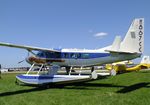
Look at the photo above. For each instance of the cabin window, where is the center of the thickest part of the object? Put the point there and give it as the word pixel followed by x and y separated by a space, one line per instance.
pixel 66 55
pixel 73 55
pixel 78 55
pixel 85 56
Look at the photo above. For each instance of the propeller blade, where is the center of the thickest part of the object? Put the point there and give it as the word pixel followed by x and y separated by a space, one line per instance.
pixel 21 61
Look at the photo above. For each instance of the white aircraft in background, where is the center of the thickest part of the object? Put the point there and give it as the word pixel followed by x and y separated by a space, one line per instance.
pixel 130 48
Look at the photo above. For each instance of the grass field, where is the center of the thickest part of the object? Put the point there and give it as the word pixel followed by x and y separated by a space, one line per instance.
pixel 126 89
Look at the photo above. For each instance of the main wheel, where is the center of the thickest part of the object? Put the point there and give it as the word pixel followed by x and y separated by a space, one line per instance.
pixel 113 72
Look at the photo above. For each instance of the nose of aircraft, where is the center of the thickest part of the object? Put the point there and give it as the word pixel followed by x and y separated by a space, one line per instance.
pixel 29 60
pixel 33 59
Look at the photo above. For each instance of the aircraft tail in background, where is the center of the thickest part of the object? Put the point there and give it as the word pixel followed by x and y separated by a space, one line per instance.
pixel 145 60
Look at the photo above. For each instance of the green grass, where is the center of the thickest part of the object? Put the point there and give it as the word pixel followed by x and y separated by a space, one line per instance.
pixel 126 89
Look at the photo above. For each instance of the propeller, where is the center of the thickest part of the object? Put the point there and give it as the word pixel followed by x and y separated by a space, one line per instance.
pixel 28 54
pixel 21 61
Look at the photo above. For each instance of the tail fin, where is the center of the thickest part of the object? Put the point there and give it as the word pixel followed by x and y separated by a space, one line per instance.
pixel 134 39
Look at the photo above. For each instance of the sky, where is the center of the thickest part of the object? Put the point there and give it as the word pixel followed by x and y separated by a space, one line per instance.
pixel 86 24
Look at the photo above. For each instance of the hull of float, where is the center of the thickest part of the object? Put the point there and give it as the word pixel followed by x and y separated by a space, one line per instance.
pixel 45 79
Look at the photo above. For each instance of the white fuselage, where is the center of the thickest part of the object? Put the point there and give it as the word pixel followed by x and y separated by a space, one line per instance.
pixel 94 57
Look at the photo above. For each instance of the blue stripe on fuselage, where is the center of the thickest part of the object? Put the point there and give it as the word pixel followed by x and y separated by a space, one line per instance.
pixel 36 77
pixel 72 55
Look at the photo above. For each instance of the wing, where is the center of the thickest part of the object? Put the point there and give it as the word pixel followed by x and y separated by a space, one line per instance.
pixel 27 47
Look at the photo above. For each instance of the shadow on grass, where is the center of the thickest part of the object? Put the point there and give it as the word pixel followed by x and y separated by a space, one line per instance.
pixel 134 87
pixel 96 85
pixel 79 86
pixel 76 86
pixel 20 91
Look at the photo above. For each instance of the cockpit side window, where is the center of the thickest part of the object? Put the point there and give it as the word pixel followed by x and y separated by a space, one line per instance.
pixel 53 55
pixel 57 55
pixel 41 54
pixel 49 54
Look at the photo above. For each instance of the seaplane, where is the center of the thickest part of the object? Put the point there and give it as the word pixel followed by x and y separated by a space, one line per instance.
pixel 131 47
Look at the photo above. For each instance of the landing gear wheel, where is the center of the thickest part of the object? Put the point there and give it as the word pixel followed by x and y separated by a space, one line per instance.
pixel 94 75
pixel 113 72
pixel 67 70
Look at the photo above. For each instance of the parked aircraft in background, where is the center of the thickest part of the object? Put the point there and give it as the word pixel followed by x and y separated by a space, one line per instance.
pixel 128 66
pixel 146 61
pixel 130 48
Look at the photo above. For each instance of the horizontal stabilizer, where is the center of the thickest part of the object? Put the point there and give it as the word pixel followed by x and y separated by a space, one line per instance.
pixel 116 44
pixel 121 52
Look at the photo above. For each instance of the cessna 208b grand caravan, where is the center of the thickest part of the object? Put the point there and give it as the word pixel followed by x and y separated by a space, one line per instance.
pixel 131 47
